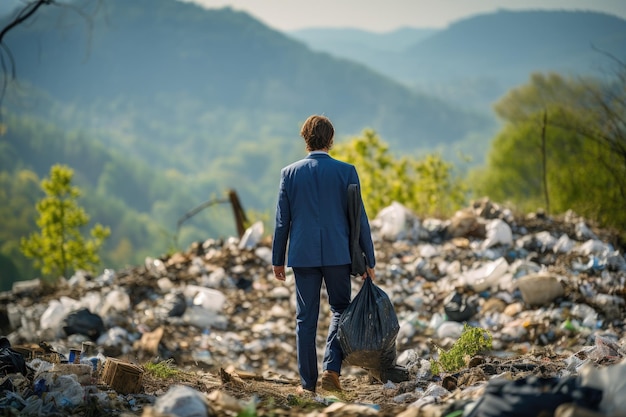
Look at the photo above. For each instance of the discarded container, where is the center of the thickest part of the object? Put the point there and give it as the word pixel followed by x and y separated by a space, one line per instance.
pixel 123 377
pixel 81 372
pixel 74 356
pixel 89 349
pixel 203 354
pixel 207 298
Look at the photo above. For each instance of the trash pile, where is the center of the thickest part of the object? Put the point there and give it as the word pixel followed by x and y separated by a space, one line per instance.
pixel 549 291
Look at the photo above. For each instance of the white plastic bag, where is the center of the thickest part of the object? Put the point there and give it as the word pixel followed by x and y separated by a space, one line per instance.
pixel 498 233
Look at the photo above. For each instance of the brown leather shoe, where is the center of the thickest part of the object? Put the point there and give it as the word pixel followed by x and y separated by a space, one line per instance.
pixel 330 381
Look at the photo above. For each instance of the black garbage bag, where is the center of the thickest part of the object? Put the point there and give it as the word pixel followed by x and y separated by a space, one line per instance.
pixel 396 374
pixel 177 305
pixel 368 329
pixel 84 322
pixel 459 307
pixel 533 396
pixel 11 361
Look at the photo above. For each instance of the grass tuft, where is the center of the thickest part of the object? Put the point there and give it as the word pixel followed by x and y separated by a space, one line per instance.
pixel 162 370
pixel 473 340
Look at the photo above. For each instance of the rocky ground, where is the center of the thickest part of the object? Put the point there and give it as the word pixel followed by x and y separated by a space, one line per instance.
pixel 550 291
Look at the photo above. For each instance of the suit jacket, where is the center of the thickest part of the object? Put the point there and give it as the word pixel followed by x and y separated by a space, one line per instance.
pixel 312 214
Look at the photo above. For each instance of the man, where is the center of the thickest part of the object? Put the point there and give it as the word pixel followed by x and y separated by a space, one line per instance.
pixel 312 216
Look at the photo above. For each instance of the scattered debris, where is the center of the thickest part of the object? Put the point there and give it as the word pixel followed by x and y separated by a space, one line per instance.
pixel 549 290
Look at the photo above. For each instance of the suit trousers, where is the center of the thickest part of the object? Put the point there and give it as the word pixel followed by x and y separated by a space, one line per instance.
pixel 308 288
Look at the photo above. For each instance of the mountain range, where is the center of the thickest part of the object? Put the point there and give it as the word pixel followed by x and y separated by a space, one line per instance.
pixel 477 59
pixel 219 72
pixel 155 67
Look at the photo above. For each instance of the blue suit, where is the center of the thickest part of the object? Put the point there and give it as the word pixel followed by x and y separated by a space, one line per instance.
pixel 312 220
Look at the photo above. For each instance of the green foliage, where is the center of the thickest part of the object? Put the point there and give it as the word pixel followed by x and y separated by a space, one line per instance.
pixel 427 186
pixel 162 370
pixel 472 341
pixel 18 193
pixel 585 149
pixel 304 402
pixel 249 410
pixel 141 206
pixel 60 247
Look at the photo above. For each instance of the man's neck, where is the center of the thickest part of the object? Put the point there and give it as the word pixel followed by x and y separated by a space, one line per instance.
pixel 325 150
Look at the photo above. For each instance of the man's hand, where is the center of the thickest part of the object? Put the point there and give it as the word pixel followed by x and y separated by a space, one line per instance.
pixel 279 272
pixel 371 273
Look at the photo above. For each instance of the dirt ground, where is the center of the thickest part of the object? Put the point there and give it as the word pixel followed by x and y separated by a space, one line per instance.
pixel 277 396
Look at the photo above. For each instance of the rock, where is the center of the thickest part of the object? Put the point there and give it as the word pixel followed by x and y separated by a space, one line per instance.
pixel 464 224
pixel 182 401
pixel 540 289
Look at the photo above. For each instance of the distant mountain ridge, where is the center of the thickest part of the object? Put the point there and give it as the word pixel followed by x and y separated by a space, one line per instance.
pixel 186 84
pixel 360 45
pixel 491 53
pixel 210 70
pixel 518 42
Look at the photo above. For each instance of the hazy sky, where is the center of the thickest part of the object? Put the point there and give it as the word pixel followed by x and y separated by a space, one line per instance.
pixel 385 15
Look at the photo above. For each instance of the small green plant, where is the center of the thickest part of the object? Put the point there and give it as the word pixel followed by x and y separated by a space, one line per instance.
pixel 162 370
pixel 249 410
pixel 60 247
pixel 473 340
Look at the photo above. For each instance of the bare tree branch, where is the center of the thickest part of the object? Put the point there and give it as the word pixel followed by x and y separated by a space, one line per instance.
pixel 22 16
pixel 8 68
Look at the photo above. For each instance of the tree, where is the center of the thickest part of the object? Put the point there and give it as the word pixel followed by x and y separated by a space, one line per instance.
pixel 583 124
pixel 371 156
pixel 427 186
pixel 60 247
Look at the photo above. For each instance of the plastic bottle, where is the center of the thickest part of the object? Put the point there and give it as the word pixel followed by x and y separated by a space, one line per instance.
pixel 202 354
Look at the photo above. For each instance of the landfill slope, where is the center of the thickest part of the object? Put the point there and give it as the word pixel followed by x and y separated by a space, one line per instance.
pixel 550 290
